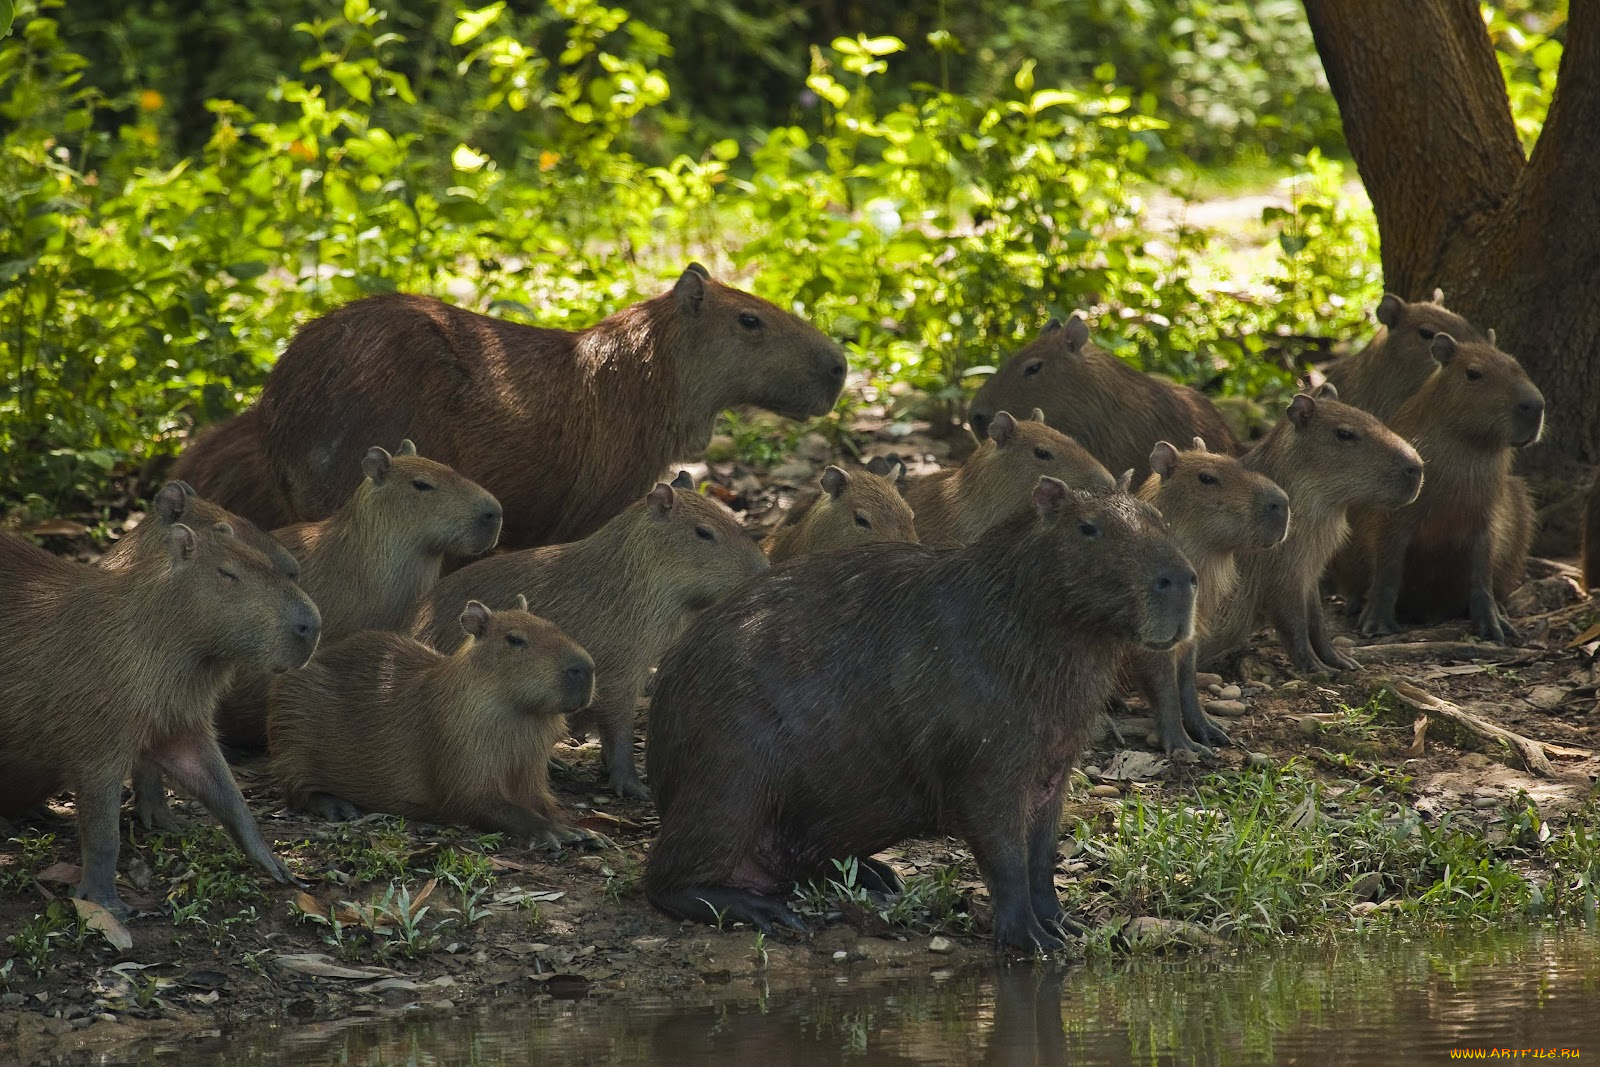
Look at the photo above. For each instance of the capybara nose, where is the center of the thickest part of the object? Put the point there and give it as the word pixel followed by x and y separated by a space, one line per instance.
pixel 1533 406
pixel 837 369
pixel 1175 579
pixel 305 624
pixel 489 516
pixel 980 423
pixel 578 681
pixel 1275 513
pixel 580 674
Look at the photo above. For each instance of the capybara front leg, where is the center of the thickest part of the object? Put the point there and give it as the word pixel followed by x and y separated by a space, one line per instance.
pixel 99 803
pixel 720 905
pixel 1200 726
pixel 1388 572
pixel 1002 855
pixel 150 798
pixel 196 764
pixel 616 750
pixel 1044 840
pixel 1321 643
pixel 1488 620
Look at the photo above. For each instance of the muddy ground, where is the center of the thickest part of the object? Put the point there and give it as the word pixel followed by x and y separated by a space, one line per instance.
pixel 215 948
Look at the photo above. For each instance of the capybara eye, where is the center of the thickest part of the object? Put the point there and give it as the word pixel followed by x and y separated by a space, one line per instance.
pixel 1088 529
pixel 232 577
pixel 1473 374
pixel 704 533
pixel 1033 368
pixel 516 641
pixel 1207 478
pixel 1425 333
pixel 749 321
pixel 1345 433
pixel 1044 453
pixel 420 485
pixel 863 522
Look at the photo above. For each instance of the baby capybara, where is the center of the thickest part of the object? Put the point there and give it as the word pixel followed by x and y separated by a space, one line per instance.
pixel 955 506
pixel 1328 457
pixel 1216 509
pixel 225 462
pixel 844 702
pixel 101 666
pixel 625 593
pixel 564 428
pixel 1462 548
pixel 860 508
pixel 381 722
pixel 1399 358
pixel 1099 401
pixel 176 502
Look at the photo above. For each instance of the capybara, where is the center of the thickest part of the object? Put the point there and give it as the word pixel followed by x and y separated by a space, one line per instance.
pixel 564 428
pixel 176 502
pixel 1462 548
pixel 100 666
pixel 381 722
pixel 1328 456
pixel 225 463
pixel 846 701
pixel 625 593
pixel 1099 401
pixel 1591 536
pixel 956 505
pixel 1399 358
pixel 862 508
pixel 1215 509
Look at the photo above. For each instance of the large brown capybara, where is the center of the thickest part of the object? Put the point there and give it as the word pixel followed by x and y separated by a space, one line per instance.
pixel 1216 510
pixel 860 508
pixel 381 722
pixel 625 593
pixel 1328 457
pixel 225 463
pixel 564 428
pixel 1099 401
pixel 844 702
pixel 1591 536
pixel 1462 548
pixel 101 666
pixel 1399 358
pixel 955 506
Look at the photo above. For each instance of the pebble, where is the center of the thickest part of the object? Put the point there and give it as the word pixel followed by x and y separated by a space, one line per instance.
pixel 1258 760
pixel 1104 791
pixel 1308 725
pixel 1473 761
pixel 840 956
pixel 1547 697
pixel 1484 803
pixel 1230 692
pixel 1228 709
pixel 1215 689
pixel 941 945
pixel 1205 679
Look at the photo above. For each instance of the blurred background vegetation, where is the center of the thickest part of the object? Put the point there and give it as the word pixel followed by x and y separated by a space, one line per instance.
pixel 188 180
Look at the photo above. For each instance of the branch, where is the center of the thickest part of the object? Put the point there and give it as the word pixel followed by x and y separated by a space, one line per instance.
pixel 1531 751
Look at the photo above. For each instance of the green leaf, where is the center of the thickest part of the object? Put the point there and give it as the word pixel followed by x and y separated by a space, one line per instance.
pixel 8 15
pixel 473 23
pixel 356 10
pixel 354 80
pixel 1024 76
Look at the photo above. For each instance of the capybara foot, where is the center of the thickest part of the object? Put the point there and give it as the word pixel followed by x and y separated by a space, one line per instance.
pixel 560 767
pixel 1207 732
pixel 1494 626
pixel 627 784
pixel 105 896
pixel 718 905
pixel 1375 622
pixel 558 837
pixel 1180 741
pixel 154 814
pixel 1059 922
pixel 876 876
pixel 332 808
pixel 1024 933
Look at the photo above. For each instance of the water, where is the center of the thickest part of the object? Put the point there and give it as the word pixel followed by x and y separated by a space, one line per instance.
pixel 1378 1000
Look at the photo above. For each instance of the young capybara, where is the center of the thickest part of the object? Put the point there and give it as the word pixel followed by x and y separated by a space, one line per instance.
pixel 854 509
pixel 225 462
pixel 101 666
pixel 564 428
pixel 1591 536
pixel 955 506
pixel 1399 358
pixel 1462 548
pixel 1216 510
pixel 1099 401
pixel 624 593
pixel 381 722
pixel 176 502
pixel 1328 457
pixel 844 702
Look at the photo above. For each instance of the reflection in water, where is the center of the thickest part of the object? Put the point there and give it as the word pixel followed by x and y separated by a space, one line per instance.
pixel 1381 1000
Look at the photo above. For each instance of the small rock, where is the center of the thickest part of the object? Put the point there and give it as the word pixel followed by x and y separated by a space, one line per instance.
pixel 1547 697
pixel 1230 692
pixel 1308 725
pixel 1258 760
pixel 1205 679
pixel 795 472
pixel 1344 641
pixel 1366 887
pixel 841 956
pixel 648 944
pixel 1484 803
pixel 1363 907
pixel 1105 791
pixel 1215 689
pixel 1228 709
pixel 1473 761
pixel 1293 686
pixel 941 945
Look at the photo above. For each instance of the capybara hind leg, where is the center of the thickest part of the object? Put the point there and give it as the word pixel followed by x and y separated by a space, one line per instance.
pixel 99 810
pixel 616 748
pixel 150 798
pixel 1002 855
pixel 196 764
pixel 719 905
pixel 876 876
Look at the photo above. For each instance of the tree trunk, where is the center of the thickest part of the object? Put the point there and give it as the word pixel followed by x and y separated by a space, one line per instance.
pixel 1514 243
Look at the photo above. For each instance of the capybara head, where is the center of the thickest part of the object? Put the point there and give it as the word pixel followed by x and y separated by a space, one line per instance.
pixel 1114 563
pixel 859 508
pixel 1346 455
pixel 783 363
pixel 239 607
pixel 1019 452
pixel 1043 374
pixel 1215 500
pixel 1411 327
pixel 1483 394
pixel 526 660
pixel 177 502
pixel 694 548
pixel 449 514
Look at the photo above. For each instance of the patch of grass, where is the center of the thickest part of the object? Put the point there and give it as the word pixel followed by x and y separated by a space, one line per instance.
pixel 210 883
pixel 33 851
pixel 35 940
pixel 369 852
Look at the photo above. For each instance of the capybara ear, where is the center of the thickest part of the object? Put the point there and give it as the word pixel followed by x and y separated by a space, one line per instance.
pixel 1301 409
pixel 1199 445
pixel 1001 429
pixel 170 502
pixel 691 288
pixel 1050 327
pixel 898 477
pixel 887 466
pixel 1438 295
pixel 660 500
pixel 1443 348
pixel 1389 309
pixel 1077 332
pixel 684 480
pixel 1037 416
pixel 375 464
pixel 188 490
pixel 834 480
pixel 407 448
pixel 1125 483
pixel 1049 497
pixel 222 529
pixel 1325 391
pixel 181 542
pixel 1163 457
pixel 475 618
pixel 1492 342
pixel 700 270
pixel 519 603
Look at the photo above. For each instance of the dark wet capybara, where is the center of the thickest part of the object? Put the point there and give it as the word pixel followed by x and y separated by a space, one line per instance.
pixel 844 702
pixel 1399 358
pixel 625 593
pixel 381 722
pixel 564 428
pixel 102 666
pixel 1462 548
pixel 1216 510
pixel 1098 400
pixel 1329 457
pixel 859 508
pixel 226 463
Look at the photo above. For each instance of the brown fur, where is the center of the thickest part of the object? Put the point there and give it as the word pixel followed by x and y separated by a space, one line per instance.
pixel 225 464
pixel 100 666
pixel 956 506
pixel 1102 403
pixel 1463 546
pixel 846 701
pixel 564 428
pixel 1398 359
pixel 1215 509
pixel 1591 536
pixel 860 508
pixel 1327 456
pixel 177 502
pixel 381 722
pixel 625 593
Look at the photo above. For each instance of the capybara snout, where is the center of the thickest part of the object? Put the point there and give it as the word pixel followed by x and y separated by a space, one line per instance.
pixel 1171 612
pixel 274 626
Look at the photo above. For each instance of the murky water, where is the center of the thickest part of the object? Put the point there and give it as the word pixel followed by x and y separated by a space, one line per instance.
pixel 1379 1000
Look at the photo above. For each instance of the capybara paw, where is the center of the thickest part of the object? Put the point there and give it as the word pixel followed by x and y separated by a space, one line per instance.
pixel 1341 661
pixel 766 914
pixel 1028 937
pixel 876 876
pixel 1211 734
pixel 590 839
pixel 560 767
pixel 106 898
pixel 629 787
pixel 1495 627
pixel 1375 623
pixel 1060 923
pixel 1182 742
pixel 332 808
pixel 280 872
pixel 158 817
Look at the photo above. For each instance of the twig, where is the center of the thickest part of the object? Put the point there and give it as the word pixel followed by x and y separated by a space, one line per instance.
pixel 1532 751
pixel 1407 651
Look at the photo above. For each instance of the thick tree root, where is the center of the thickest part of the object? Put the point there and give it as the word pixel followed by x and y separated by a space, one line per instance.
pixel 1411 651
pixel 1532 752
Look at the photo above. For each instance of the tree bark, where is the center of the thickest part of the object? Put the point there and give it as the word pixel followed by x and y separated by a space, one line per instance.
pixel 1513 242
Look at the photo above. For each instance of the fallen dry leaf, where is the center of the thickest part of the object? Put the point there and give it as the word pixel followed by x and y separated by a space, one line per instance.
pixel 1419 732
pixel 95 917
pixel 1584 638
pixel 60 872
pixel 56 528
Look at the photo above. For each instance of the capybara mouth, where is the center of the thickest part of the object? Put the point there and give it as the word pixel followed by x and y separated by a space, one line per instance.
pixel 1528 439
